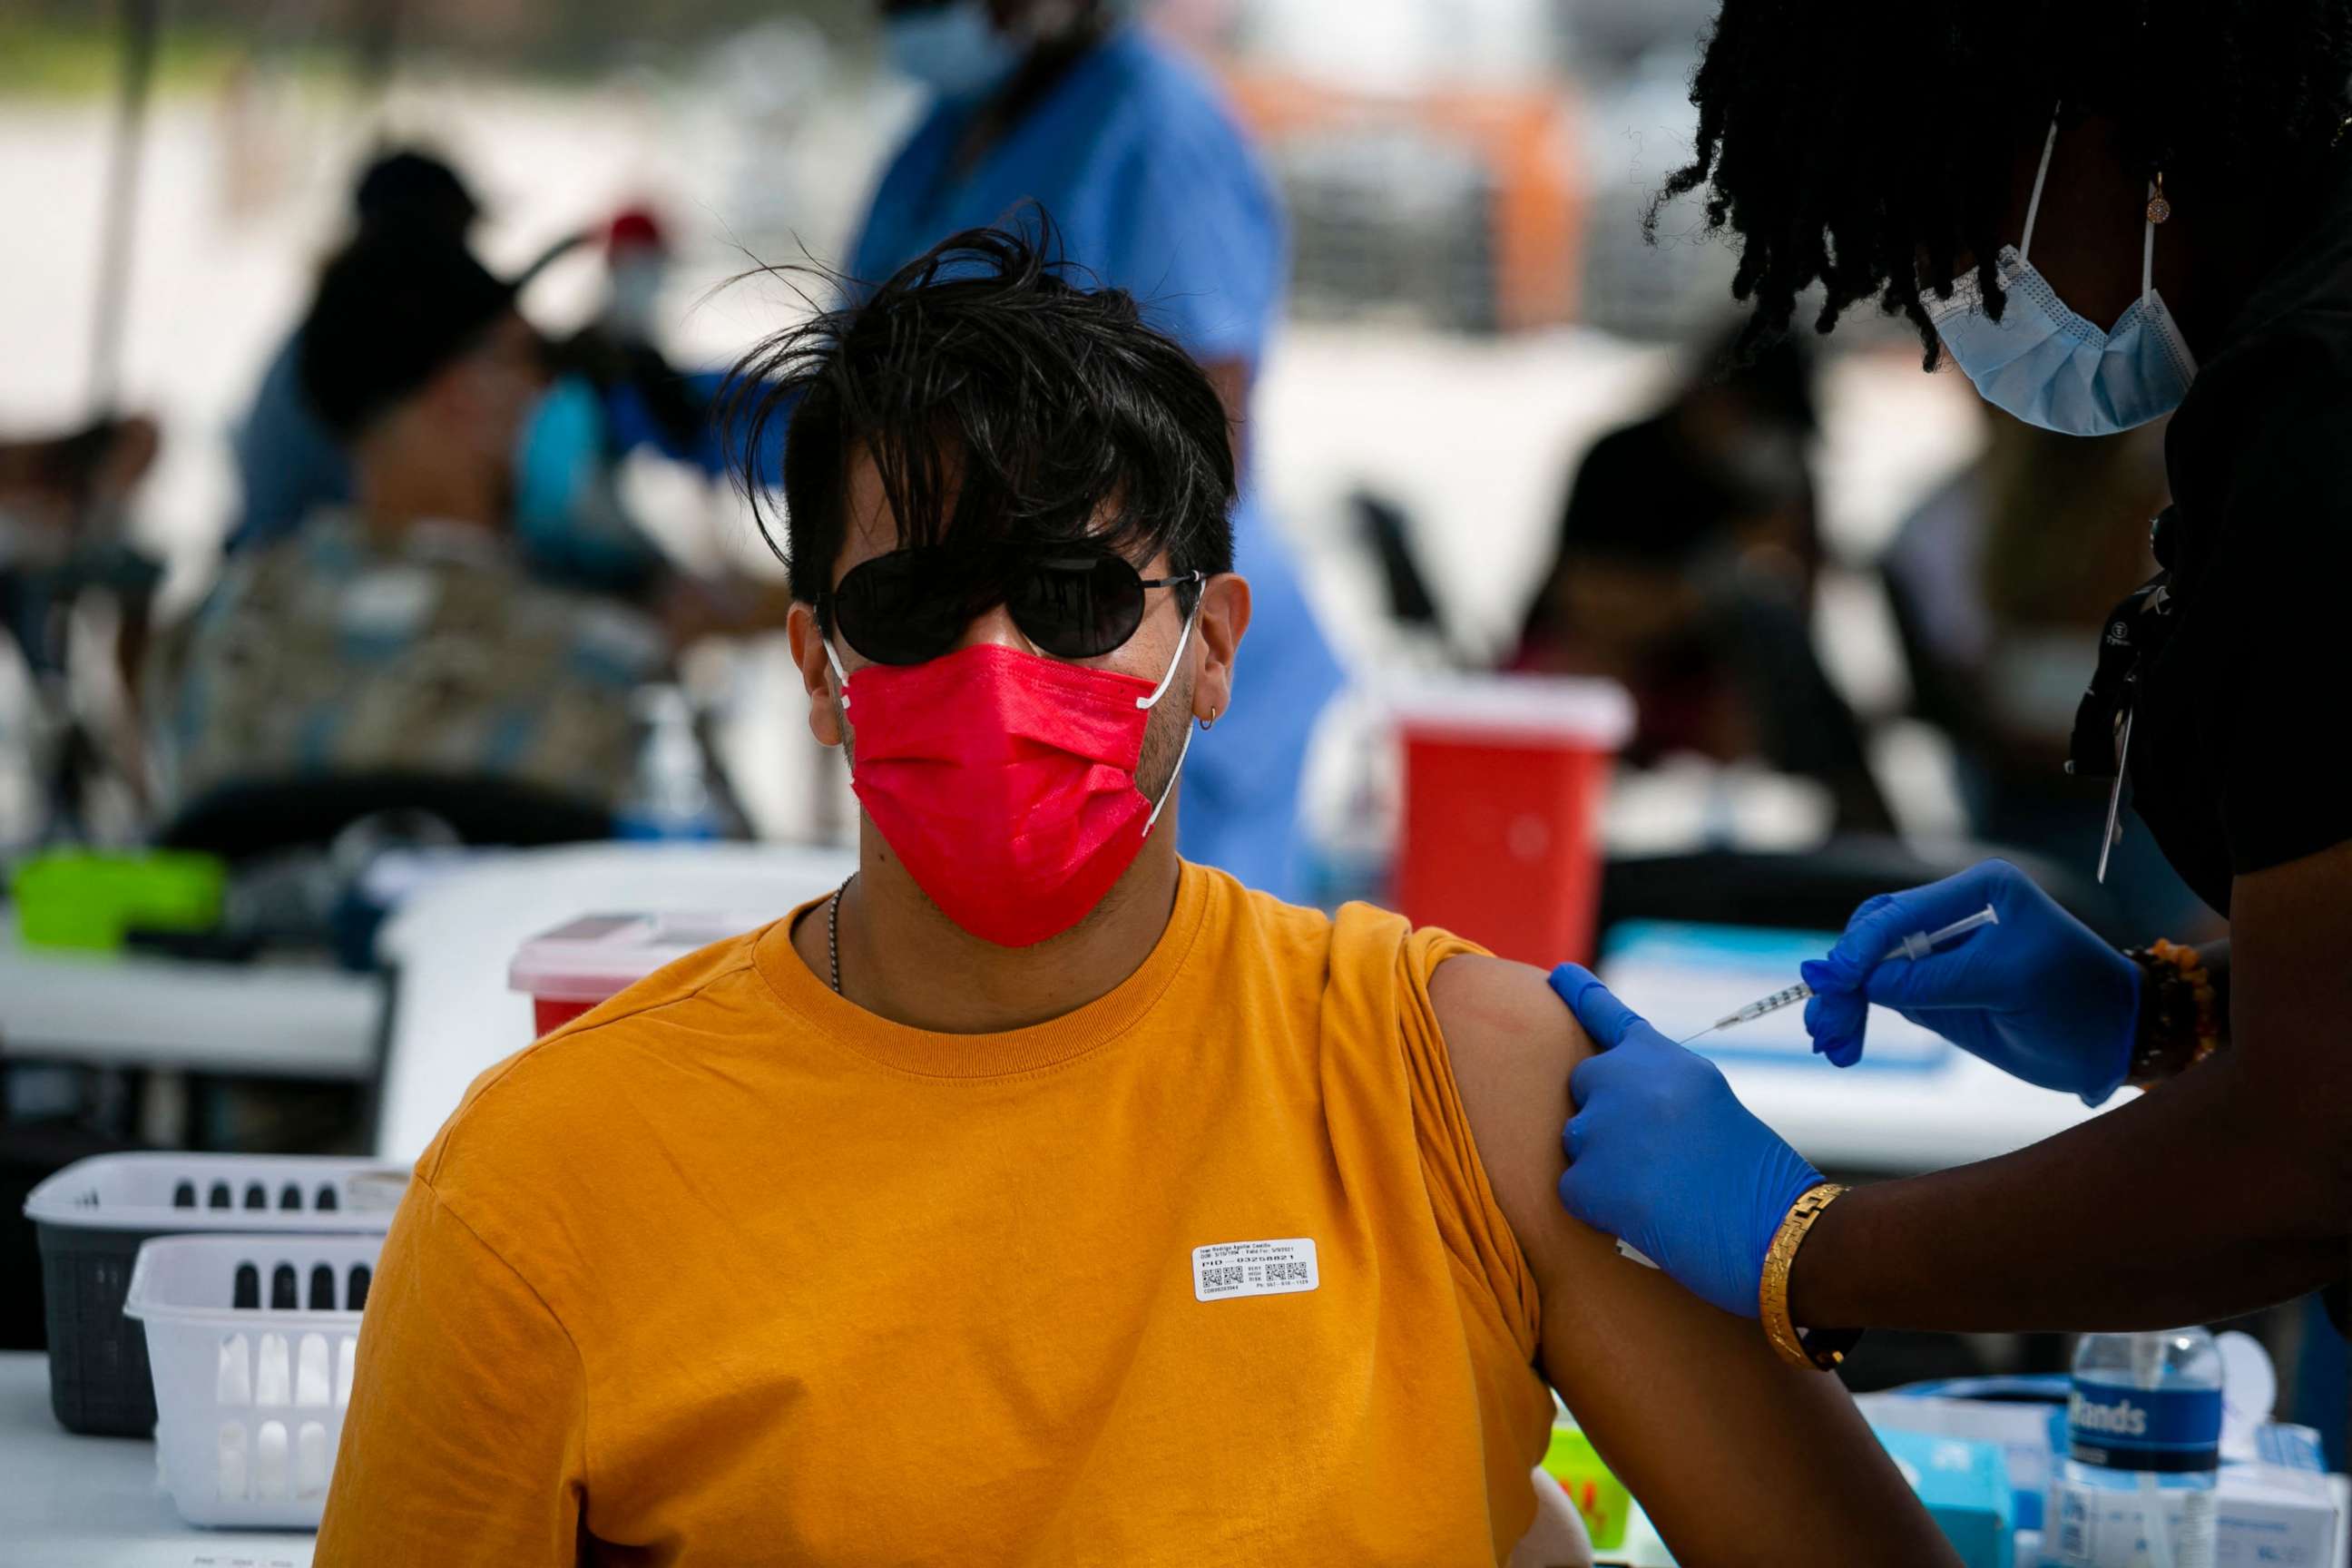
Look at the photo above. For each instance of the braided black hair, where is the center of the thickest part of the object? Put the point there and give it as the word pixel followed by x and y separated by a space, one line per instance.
pixel 1865 147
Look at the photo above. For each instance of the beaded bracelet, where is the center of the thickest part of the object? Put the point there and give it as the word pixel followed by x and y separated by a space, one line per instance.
pixel 2180 1014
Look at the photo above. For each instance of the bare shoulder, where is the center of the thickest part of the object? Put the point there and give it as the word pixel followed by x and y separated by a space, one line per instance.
pixel 1513 1045
pixel 1500 1015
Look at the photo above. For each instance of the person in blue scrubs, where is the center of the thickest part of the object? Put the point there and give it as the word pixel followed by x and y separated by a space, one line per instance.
pixel 1131 154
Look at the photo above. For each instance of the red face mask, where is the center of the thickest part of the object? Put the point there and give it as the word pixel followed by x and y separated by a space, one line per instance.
pixel 1006 781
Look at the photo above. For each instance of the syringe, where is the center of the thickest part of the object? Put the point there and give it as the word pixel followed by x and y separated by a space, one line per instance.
pixel 1917 945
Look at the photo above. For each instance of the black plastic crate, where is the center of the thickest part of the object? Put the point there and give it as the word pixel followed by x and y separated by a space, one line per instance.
pixel 98 1382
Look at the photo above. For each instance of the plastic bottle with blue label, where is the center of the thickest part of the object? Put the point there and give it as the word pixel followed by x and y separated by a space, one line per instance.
pixel 2144 1453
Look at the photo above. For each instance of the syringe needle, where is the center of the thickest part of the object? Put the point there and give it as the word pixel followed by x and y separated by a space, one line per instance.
pixel 1915 946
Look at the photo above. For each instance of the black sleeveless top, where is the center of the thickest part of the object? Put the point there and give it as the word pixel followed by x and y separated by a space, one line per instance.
pixel 2240 723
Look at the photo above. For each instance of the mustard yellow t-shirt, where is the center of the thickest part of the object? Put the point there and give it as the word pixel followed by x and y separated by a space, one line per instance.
pixel 731 1271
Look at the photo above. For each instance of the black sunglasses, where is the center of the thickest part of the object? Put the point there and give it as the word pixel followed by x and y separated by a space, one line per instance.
pixel 912 605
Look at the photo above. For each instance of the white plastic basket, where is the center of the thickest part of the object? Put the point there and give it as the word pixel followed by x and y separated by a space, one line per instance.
pixel 249 1400
pixel 188 1193
pixel 93 1215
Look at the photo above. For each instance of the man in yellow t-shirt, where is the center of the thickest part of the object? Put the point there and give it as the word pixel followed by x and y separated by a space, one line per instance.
pixel 1038 1198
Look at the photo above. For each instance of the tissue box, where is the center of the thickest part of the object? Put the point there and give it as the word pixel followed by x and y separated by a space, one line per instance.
pixel 2018 1427
pixel 2265 1516
pixel 2296 1447
pixel 2274 1516
pixel 1963 1485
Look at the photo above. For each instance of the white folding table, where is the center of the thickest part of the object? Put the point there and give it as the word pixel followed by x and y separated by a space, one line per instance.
pixel 264 1019
pixel 93 1502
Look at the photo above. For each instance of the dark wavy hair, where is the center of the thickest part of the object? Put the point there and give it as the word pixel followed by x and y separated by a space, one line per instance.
pixel 1866 146
pixel 986 375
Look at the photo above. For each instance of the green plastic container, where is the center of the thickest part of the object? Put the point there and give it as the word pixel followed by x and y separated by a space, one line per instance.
pixel 87 898
pixel 1599 1496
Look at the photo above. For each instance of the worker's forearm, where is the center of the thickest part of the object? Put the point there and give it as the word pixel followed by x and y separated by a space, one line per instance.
pixel 2195 1202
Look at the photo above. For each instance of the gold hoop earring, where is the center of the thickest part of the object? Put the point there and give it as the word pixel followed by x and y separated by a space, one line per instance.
pixel 1207 723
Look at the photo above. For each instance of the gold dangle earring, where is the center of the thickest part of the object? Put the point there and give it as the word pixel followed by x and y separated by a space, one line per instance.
pixel 2158 208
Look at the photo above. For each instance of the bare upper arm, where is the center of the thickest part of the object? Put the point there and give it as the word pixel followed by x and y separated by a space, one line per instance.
pixel 2290 993
pixel 1735 1456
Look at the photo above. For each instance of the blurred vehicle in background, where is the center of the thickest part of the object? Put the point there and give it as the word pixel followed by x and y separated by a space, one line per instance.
pixel 1648 275
pixel 1427 157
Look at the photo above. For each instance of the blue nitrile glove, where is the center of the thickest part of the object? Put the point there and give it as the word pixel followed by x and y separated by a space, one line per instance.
pixel 1662 1154
pixel 2037 996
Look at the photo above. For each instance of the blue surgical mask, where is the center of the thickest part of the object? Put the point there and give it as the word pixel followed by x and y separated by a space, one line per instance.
pixel 954 49
pixel 2050 367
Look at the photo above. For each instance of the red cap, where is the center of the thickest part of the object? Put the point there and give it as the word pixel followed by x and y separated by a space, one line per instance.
pixel 635 226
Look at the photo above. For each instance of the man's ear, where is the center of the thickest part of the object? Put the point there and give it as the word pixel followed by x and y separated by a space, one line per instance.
pixel 816 672
pixel 1224 616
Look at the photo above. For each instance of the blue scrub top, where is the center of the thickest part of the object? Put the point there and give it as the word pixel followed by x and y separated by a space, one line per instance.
pixel 1152 188
pixel 289 463
pixel 1146 176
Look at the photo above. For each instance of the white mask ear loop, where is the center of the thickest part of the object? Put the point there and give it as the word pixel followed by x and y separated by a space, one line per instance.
pixel 838 673
pixel 1162 804
pixel 2033 202
pixel 2148 249
pixel 1160 690
pixel 1178 662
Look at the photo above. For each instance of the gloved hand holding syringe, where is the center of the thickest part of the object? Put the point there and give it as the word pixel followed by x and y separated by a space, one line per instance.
pixel 1915 946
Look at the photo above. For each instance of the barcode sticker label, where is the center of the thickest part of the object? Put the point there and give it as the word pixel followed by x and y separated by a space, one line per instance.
pixel 1233 1269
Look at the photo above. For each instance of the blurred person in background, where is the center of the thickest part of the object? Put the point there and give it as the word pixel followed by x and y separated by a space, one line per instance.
pixel 64 502
pixel 1154 189
pixel 2104 213
pixel 288 461
pixel 403 634
pixel 610 390
pixel 613 394
pixel 1998 581
pixel 613 391
pixel 637 255
pixel 65 538
pixel 701 1276
pixel 1686 565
